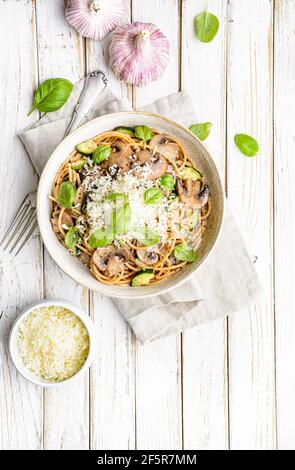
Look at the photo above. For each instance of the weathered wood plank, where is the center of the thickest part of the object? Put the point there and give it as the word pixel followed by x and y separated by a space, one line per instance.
pixel 158 365
pixel 21 402
pixel 251 333
pixel 284 174
pixel 66 410
pixel 112 377
pixel 205 348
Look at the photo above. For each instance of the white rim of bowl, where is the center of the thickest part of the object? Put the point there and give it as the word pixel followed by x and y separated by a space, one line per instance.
pixel 141 295
pixel 76 310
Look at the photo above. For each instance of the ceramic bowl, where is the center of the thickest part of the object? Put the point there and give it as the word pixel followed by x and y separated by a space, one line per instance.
pixel 72 265
pixel 13 349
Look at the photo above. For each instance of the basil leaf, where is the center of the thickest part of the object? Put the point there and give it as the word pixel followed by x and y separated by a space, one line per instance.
pixel 118 197
pixel 121 219
pixel 184 253
pixel 153 196
pixel 66 195
pixel 145 236
pixel 72 237
pixel 101 153
pixel 100 238
pixel 206 26
pixel 144 133
pixel 125 130
pixel 52 95
pixel 201 130
pixel 167 182
pixel 246 144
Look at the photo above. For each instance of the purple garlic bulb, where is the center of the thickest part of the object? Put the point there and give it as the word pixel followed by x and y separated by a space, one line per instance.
pixel 139 53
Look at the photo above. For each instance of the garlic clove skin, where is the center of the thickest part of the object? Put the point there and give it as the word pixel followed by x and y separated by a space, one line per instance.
pixel 95 18
pixel 139 53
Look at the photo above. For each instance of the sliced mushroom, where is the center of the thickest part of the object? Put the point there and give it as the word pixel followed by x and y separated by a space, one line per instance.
pixel 204 196
pixel 150 256
pixel 115 265
pixel 79 196
pixel 143 156
pixel 191 194
pixel 158 165
pixel 110 259
pixel 65 220
pixel 119 157
pixel 164 146
pixel 147 257
pixel 85 258
pixel 54 223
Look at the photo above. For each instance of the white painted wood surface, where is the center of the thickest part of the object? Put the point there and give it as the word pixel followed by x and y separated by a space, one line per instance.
pixel 250 192
pixel 284 229
pixel 226 384
pixel 205 406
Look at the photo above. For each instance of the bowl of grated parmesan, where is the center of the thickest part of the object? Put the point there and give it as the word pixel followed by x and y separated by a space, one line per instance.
pixel 52 342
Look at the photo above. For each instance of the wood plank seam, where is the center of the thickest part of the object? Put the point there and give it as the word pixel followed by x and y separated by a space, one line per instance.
pixel 274 220
pixel 42 248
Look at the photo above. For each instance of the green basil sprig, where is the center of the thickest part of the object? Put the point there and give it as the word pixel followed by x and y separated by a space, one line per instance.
pixel 153 196
pixel 145 236
pixel 72 237
pixel 66 195
pixel 246 144
pixel 117 197
pixel 201 130
pixel 144 133
pixel 206 26
pixel 121 218
pixel 51 95
pixel 101 153
pixel 100 238
pixel 184 252
pixel 167 182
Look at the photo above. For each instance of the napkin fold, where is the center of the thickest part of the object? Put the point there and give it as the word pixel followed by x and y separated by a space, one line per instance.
pixel 226 282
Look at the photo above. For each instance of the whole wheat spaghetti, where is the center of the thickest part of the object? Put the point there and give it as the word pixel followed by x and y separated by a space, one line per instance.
pixel 131 204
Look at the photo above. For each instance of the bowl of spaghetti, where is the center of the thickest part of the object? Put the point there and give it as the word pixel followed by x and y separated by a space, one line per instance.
pixel 130 204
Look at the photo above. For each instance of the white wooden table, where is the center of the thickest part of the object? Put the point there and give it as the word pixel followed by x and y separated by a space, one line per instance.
pixel 226 384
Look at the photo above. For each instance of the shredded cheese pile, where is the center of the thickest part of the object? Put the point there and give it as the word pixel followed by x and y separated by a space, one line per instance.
pixel 99 211
pixel 53 343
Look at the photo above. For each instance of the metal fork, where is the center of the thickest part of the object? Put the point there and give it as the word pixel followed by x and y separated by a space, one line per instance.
pixel 25 221
pixel 21 227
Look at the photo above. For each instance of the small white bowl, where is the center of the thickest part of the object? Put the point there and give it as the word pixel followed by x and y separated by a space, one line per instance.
pixel 13 348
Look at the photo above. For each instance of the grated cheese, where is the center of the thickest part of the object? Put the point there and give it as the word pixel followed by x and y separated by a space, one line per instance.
pixel 99 211
pixel 53 343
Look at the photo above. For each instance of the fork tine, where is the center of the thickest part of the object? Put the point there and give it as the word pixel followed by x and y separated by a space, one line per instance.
pixel 18 227
pixel 29 233
pixel 23 229
pixel 21 213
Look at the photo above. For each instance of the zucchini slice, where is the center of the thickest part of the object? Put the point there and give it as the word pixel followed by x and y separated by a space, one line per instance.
pixel 190 173
pixel 143 278
pixel 78 165
pixel 86 147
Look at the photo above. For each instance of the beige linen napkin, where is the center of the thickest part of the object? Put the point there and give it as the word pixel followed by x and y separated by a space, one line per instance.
pixel 224 284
